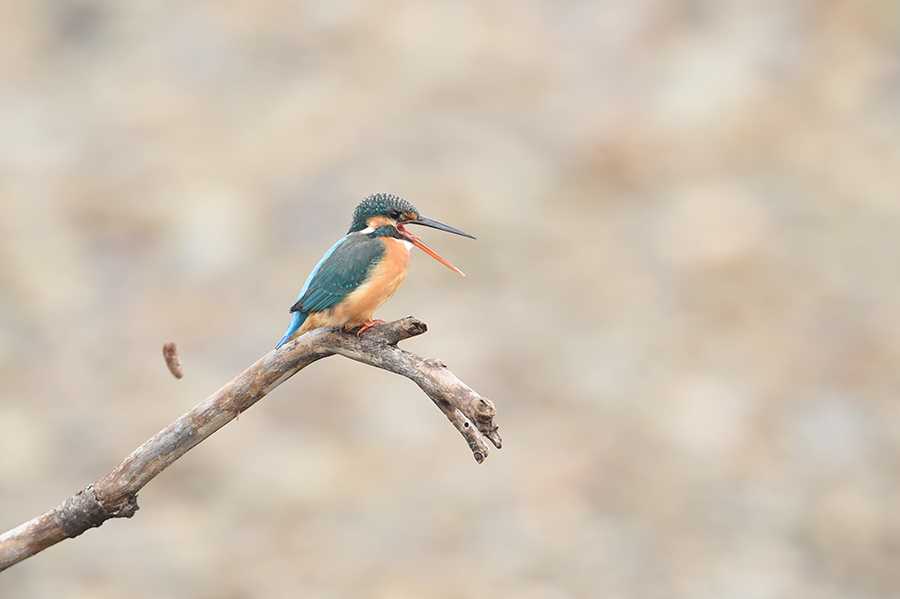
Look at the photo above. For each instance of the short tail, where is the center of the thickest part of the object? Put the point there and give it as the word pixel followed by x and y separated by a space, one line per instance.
pixel 296 322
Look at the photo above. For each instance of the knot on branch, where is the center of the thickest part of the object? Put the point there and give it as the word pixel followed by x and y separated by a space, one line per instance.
pixel 80 512
pixel 125 508
pixel 484 409
pixel 414 326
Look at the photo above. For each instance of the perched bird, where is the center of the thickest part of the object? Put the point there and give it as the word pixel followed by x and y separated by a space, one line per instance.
pixel 364 269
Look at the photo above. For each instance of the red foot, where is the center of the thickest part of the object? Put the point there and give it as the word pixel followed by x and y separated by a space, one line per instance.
pixel 367 325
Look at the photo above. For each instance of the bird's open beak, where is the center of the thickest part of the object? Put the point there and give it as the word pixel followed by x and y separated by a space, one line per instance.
pixel 421 244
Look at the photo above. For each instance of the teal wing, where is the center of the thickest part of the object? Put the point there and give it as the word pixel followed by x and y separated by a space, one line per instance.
pixel 344 268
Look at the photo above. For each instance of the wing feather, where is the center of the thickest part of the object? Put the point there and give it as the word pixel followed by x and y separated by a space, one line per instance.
pixel 344 268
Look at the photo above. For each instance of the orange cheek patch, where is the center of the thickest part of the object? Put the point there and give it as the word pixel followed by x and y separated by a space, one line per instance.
pixel 379 220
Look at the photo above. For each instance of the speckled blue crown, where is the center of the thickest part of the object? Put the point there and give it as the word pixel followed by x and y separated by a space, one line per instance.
pixel 378 203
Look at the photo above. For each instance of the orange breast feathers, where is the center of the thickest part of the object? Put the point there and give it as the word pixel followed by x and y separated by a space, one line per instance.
pixel 359 306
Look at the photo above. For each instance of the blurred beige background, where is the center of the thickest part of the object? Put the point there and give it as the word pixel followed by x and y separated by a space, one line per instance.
pixel 684 298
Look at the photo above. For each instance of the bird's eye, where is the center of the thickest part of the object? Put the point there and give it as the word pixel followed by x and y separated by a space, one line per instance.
pixel 394 214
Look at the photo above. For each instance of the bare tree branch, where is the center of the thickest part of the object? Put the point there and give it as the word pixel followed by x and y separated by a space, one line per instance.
pixel 115 495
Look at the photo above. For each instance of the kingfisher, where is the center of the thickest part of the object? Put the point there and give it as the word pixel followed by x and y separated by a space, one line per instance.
pixel 364 268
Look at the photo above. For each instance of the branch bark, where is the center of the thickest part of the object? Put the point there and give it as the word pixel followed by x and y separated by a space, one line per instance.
pixel 115 495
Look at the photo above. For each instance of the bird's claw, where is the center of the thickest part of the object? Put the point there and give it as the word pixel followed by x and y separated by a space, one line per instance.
pixel 367 325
